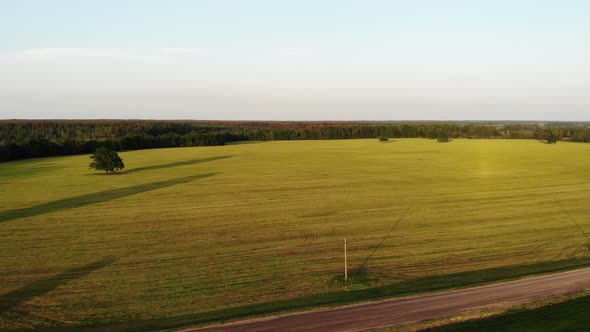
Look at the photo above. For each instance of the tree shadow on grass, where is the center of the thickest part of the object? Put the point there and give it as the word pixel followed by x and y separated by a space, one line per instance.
pixel 176 164
pixel 245 142
pixel 403 288
pixel 41 287
pixel 570 315
pixel 14 173
pixel 93 198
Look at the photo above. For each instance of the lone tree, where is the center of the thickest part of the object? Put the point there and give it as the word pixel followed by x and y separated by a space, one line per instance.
pixel 107 160
pixel 552 138
pixel 383 138
pixel 442 137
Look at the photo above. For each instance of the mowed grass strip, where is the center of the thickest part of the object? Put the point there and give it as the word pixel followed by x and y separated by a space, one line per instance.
pixel 200 234
pixel 569 315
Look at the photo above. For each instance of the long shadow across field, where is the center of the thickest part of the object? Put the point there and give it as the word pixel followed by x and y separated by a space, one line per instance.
pixel 25 172
pixel 44 286
pixel 93 198
pixel 176 164
pixel 407 287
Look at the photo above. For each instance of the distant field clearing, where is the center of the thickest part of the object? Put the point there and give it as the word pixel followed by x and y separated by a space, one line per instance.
pixel 187 232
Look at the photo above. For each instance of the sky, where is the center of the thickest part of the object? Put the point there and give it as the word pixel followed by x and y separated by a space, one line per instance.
pixel 295 60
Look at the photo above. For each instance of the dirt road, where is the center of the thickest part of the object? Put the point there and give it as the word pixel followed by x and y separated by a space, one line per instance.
pixel 406 310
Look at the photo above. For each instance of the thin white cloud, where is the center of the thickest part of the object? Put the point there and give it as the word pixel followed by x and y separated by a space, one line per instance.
pixel 50 54
pixel 136 55
pixel 291 52
pixel 183 51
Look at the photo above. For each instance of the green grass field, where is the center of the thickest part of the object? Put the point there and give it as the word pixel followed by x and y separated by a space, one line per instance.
pixel 566 316
pixel 198 235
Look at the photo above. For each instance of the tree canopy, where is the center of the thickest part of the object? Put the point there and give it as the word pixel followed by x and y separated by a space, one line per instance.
pixel 442 137
pixel 107 160
pixel 552 138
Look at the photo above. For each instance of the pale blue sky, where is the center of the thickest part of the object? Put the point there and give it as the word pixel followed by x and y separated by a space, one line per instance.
pixel 295 60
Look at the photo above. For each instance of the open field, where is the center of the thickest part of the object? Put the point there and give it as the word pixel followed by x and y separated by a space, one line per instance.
pixel 194 235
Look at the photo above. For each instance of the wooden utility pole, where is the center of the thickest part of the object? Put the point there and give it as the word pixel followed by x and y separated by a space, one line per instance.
pixel 345 263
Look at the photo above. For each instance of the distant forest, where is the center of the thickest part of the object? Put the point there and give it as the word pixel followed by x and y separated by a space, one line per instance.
pixel 21 139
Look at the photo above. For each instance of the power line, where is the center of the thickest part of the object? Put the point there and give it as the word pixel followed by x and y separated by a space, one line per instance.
pixel 574 221
pixel 387 236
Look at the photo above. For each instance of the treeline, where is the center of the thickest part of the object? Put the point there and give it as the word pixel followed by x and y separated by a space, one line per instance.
pixel 35 147
pixel 30 139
